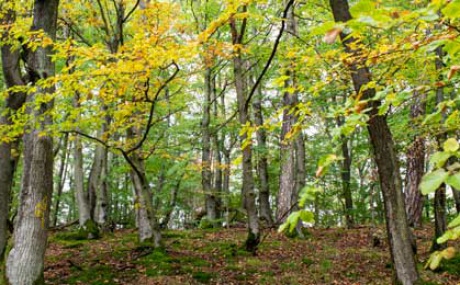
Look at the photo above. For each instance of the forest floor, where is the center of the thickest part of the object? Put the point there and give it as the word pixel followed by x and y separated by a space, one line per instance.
pixel 326 256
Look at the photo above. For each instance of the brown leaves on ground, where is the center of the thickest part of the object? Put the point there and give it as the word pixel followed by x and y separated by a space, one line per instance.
pixel 327 256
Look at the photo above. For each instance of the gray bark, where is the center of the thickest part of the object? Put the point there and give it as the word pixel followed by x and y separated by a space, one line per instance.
pixel 62 175
pixel 292 149
pixel 206 171
pixel 26 259
pixel 265 211
pixel 84 209
pixel 146 219
pixel 398 231
pixel 247 191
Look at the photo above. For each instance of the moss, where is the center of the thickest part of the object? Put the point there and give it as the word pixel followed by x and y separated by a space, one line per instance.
pixel 451 266
pixel 90 230
pixel 203 277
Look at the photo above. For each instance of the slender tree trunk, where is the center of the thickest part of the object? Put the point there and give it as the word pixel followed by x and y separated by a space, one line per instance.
pixel 386 159
pixel 248 193
pixel 81 196
pixel 415 167
pixel 62 175
pixel 265 211
pixel 206 171
pixel 97 185
pixel 345 174
pixel 439 206
pixel 25 261
pixel 292 148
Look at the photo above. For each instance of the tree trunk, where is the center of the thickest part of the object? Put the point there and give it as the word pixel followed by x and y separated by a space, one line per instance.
pixel 146 219
pixel 25 261
pixel 12 76
pixel 385 156
pixel 415 168
pixel 62 175
pixel 287 162
pixel 345 173
pixel 265 211
pixel 440 219
pixel 206 160
pixel 14 101
pixel 247 191
pixel 292 148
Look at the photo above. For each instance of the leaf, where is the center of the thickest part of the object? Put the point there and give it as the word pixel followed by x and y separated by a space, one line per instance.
pixel 307 216
pixel 435 260
pixel 450 145
pixel 448 253
pixel 452 71
pixel 332 35
pixel 438 159
pixel 455 222
pixel 431 181
pixel 454 181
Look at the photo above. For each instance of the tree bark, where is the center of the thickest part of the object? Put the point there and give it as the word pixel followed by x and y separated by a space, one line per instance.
pixel 26 259
pixel 62 176
pixel 385 156
pixel 206 159
pixel 440 218
pixel 265 211
pixel 415 167
pixel 15 100
pixel 247 191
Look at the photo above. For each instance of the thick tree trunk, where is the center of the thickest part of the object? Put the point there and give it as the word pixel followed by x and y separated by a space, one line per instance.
pixel 8 162
pixel 415 167
pixel 26 259
pixel 287 163
pixel 398 231
pixel 146 218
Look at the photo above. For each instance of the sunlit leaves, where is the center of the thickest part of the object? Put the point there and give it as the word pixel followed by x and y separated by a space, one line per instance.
pixel 432 181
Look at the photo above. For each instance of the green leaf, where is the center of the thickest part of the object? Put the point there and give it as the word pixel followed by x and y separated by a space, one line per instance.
pixel 455 222
pixel 452 10
pixel 450 145
pixel 435 260
pixel 454 181
pixel 431 181
pixel 438 159
pixel 307 216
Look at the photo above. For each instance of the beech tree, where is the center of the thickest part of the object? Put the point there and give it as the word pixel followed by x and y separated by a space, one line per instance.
pixel 26 259
pixel 385 156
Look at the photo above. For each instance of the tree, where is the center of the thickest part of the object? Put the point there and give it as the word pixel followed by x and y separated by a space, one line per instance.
pixel 25 260
pixel 384 155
